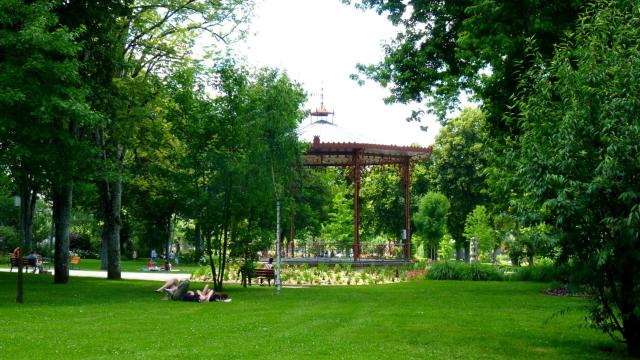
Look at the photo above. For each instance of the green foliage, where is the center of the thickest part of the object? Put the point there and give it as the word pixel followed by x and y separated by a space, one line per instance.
pixel 339 228
pixel 382 204
pixel 10 238
pixel 543 273
pixel 577 158
pixel 456 270
pixel 477 226
pixel 431 221
pixel 446 248
pixel 444 48
pixel 458 165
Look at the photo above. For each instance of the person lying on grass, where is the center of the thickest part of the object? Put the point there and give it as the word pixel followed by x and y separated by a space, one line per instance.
pixel 179 290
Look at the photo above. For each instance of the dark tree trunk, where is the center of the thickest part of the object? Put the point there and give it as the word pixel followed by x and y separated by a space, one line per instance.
pixel 628 305
pixel 530 254
pixel 111 193
pixel 104 256
pixel 459 251
pixel 62 201
pixel 27 210
pixel 170 228
pixel 198 231
pixel 632 334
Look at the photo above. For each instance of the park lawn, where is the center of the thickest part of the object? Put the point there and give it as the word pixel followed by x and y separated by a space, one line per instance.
pixel 96 318
pixel 132 266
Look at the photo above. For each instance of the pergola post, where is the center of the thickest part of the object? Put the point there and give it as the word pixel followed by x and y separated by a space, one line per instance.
pixel 356 205
pixel 406 179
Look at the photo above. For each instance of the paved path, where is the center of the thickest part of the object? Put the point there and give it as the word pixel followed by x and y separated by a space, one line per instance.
pixel 151 275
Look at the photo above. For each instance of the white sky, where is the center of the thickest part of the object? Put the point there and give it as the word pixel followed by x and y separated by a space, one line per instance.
pixel 318 43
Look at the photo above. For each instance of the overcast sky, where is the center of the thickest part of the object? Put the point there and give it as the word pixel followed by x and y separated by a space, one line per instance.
pixel 318 43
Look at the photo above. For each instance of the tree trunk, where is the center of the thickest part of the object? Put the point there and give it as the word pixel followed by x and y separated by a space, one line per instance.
pixel 104 256
pixel 62 201
pixel 111 193
pixel 459 251
pixel 27 210
pixel 198 234
pixel 530 255
pixel 170 228
pixel 628 308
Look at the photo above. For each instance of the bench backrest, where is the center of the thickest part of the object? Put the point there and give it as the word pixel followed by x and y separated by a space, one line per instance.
pixel 25 262
pixel 75 260
pixel 265 273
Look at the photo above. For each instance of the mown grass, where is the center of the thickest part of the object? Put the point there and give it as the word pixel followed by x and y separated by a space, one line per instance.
pixel 95 318
pixel 133 265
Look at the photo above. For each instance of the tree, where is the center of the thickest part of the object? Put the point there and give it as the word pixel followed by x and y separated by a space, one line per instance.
pixel 339 227
pixel 125 43
pixel 382 210
pixel 233 145
pixel 43 107
pixel 448 47
pixel 431 221
pixel 578 158
pixel 477 227
pixel 458 170
pixel 312 198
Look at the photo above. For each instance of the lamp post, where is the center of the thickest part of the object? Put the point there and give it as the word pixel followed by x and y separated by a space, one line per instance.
pixel 20 289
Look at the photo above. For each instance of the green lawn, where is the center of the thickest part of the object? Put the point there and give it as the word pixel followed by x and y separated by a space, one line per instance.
pixel 133 266
pixel 94 318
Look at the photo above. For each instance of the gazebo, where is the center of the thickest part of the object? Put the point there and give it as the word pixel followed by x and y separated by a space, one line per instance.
pixel 357 155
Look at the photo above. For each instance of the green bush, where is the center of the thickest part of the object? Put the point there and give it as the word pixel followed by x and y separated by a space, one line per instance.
pixel 9 238
pixel 541 273
pixel 453 270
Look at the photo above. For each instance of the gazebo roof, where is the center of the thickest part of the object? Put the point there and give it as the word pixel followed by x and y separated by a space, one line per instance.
pixel 342 154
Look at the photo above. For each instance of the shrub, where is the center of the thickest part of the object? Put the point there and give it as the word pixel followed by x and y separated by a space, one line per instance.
pixel 451 270
pixel 542 273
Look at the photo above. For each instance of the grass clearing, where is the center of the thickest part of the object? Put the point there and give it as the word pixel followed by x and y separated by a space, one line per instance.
pixel 139 265
pixel 95 318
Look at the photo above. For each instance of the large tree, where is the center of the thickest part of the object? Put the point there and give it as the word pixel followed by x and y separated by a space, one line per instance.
pixel 447 47
pixel 240 149
pixel 42 109
pixel 458 166
pixel 578 158
pixel 125 43
pixel 383 203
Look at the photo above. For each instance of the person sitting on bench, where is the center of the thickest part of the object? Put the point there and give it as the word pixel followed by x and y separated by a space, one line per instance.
pixel 37 260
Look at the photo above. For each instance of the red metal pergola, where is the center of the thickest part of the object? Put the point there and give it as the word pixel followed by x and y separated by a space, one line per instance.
pixel 357 155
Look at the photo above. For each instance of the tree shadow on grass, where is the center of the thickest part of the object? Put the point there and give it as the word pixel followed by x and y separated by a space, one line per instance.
pixel 39 290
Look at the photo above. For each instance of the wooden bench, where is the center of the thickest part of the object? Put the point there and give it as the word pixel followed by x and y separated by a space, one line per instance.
pixel 75 260
pixel 262 274
pixel 25 262
pixel 265 274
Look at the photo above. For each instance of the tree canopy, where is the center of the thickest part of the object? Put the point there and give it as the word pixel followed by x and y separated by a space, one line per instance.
pixel 445 48
pixel 578 157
